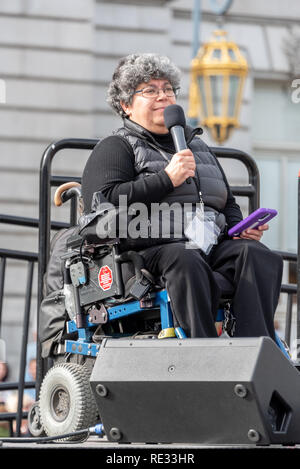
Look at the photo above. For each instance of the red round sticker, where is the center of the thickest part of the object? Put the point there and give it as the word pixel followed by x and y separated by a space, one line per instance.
pixel 105 278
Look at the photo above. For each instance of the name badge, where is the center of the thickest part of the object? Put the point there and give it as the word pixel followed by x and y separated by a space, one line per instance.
pixel 201 230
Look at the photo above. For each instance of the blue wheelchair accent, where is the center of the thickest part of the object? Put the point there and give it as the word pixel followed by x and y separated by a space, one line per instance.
pixel 281 346
pixel 180 334
pixel 82 348
pixel 83 345
pixel 82 280
pixel 98 429
pixel 220 315
pixel 160 300
pixel 165 309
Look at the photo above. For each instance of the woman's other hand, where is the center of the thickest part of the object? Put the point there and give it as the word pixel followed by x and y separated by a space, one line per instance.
pixel 253 234
pixel 181 166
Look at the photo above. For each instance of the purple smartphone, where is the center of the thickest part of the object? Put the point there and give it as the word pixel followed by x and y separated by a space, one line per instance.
pixel 253 221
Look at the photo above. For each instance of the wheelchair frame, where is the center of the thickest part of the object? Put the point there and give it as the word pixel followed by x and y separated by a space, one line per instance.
pixel 159 300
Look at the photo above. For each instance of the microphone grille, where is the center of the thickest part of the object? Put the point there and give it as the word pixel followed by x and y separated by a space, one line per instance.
pixel 174 115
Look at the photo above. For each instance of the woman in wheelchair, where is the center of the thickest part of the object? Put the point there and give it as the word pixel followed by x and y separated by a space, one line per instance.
pixel 138 163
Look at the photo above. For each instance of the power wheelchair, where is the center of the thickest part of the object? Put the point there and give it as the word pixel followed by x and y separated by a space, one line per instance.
pixel 103 291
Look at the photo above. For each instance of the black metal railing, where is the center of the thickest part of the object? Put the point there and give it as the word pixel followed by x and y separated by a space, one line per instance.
pixel 47 180
pixel 251 191
pixel 19 414
pixel 291 289
pixel 30 259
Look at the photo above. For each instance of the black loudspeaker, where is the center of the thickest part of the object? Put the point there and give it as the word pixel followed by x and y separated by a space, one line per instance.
pixel 206 391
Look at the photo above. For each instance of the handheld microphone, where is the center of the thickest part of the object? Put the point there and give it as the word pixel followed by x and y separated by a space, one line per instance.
pixel 175 123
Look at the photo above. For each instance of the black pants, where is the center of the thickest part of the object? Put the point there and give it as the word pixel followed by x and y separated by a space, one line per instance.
pixel 253 269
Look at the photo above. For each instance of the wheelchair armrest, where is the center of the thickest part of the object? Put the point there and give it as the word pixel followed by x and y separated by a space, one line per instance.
pixel 143 279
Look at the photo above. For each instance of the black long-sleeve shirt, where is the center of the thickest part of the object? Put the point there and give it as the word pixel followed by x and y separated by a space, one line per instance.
pixel 110 169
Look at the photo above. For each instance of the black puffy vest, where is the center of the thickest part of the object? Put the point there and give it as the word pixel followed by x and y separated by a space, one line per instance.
pixel 151 158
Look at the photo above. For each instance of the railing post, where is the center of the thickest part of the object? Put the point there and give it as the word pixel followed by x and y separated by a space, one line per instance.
pixel 253 190
pixel 44 226
pixel 2 278
pixel 298 276
pixel 288 319
pixel 24 346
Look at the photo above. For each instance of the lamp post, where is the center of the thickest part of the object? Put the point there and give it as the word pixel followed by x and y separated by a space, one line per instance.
pixel 219 7
pixel 218 72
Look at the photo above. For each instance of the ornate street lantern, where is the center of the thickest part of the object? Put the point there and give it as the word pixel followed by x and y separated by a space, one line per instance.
pixel 218 74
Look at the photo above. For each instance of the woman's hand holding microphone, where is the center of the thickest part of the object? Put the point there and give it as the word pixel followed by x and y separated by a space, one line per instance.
pixel 181 167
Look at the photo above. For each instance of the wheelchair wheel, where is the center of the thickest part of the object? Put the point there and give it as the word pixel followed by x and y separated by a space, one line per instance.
pixel 34 421
pixel 66 401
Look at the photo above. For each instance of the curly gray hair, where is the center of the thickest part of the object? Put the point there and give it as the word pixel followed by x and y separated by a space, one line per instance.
pixel 135 69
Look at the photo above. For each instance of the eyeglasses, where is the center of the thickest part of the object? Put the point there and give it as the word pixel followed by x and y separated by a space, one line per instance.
pixel 153 92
